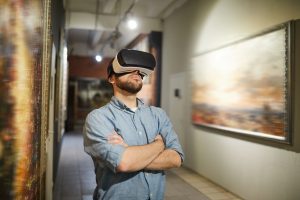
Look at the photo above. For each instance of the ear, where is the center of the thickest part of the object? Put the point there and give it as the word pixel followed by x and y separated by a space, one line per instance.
pixel 111 79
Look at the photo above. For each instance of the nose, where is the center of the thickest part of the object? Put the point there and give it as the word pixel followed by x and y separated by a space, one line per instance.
pixel 137 72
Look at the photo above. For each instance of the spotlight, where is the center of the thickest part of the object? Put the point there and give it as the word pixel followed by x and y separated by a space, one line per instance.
pixel 98 58
pixel 132 24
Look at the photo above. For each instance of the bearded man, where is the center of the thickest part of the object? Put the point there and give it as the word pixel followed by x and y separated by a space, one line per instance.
pixel 131 144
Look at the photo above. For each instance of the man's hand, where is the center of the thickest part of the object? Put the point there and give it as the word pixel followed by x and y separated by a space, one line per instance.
pixel 115 138
pixel 159 139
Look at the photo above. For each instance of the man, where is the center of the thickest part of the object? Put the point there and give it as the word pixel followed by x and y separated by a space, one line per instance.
pixel 130 143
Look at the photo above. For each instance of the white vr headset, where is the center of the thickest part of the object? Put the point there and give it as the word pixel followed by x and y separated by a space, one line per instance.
pixel 128 60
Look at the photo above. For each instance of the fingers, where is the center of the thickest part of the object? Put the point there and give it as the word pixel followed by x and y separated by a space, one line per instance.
pixel 158 137
pixel 114 138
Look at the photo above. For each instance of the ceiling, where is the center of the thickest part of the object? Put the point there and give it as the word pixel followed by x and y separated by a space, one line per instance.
pixel 99 26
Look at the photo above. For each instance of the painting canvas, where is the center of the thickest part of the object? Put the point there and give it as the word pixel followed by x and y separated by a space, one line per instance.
pixel 91 94
pixel 21 49
pixel 244 87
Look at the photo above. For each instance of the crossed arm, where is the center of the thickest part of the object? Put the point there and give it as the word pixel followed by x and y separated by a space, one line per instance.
pixel 151 156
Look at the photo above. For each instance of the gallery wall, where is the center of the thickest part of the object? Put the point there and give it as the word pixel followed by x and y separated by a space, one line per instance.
pixel 252 168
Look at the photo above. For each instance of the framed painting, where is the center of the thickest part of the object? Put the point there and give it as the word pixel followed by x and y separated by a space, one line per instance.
pixel 245 87
pixel 24 39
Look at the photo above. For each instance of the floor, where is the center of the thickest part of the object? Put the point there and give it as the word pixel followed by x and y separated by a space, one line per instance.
pixel 75 178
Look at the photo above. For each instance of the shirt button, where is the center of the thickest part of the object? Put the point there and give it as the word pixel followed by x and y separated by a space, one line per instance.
pixel 140 133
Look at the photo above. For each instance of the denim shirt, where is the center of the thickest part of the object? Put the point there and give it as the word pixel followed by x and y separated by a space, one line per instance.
pixel 136 128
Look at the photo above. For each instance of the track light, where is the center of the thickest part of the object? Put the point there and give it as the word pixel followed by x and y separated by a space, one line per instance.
pixel 132 23
pixel 98 58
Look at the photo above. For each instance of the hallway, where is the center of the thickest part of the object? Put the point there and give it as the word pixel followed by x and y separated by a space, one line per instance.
pixel 75 177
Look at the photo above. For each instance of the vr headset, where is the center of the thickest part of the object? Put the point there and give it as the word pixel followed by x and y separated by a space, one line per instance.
pixel 128 60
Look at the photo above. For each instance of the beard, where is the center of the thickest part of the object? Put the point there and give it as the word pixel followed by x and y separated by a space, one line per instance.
pixel 129 86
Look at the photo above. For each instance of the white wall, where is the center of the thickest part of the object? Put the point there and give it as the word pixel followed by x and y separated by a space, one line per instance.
pixel 250 168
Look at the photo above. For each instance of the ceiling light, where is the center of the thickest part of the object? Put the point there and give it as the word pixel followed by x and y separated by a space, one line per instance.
pixel 132 24
pixel 98 58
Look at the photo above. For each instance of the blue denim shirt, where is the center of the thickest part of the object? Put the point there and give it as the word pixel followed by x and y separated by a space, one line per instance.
pixel 136 128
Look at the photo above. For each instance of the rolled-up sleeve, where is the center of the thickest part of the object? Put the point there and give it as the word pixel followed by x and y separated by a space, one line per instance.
pixel 96 130
pixel 168 133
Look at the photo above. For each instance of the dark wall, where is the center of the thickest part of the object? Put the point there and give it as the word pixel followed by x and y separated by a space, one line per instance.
pixel 58 21
pixel 87 67
pixel 155 45
pixel 57 24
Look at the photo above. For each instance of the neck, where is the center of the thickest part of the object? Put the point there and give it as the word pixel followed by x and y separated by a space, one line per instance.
pixel 127 98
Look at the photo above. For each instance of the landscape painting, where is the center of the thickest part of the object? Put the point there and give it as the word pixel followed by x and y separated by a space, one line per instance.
pixel 243 87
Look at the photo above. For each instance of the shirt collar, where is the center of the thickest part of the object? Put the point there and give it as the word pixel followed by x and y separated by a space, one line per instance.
pixel 119 104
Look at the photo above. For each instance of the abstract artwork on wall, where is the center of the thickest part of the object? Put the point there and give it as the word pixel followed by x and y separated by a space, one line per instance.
pixel 21 76
pixel 244 87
